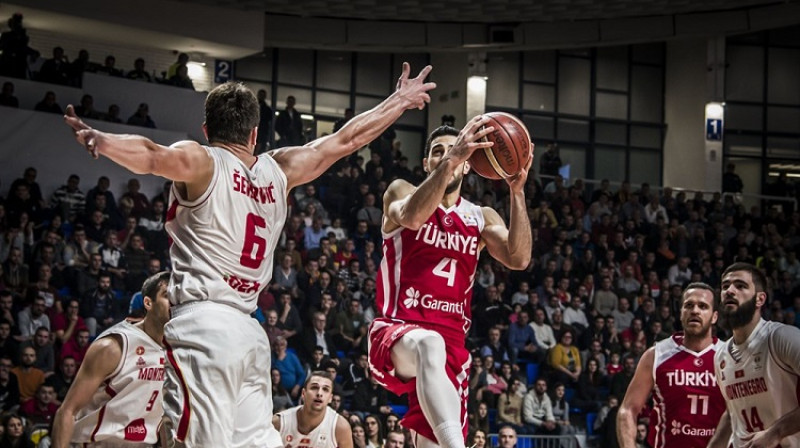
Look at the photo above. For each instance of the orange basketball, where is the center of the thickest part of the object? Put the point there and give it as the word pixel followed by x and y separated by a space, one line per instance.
pixel 511 150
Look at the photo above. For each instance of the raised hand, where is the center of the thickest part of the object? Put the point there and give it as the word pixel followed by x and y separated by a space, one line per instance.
pixel 415 91
pixel 84 133
pixel 470 139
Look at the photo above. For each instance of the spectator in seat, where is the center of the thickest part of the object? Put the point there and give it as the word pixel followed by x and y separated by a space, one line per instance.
pixel 370 398
pixel 41 409
pixel 77 346
pixel 99 306
pixel 565 360
pixel 139 73
pixel 181 78
pixel 86 108
pixel 28 376
pixel 605 300
pixel 522 341
pixel 183 59
pixel 142 117
pixel 56 69
pixel 63 379
pixel 9 386
pixel 7 97
pixel 45 355
pixel 352 327
pixel 496 348
pixel 109 69
pixel 66 324
pixel 9 347
pixel 537 410
pixel 68 200
pixel 79 66
pixel 114 260
pixel 112 116
pixel 32 318
pixel 315 337
pixel 14 434
pixel 621 380
pixel 49 104
pixel 292 372
pixel 509 406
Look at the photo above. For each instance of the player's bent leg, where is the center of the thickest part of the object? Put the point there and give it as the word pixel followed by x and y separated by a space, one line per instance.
pixel 254 410
pixel 423 354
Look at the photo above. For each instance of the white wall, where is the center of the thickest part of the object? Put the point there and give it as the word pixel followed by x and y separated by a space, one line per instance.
pixel 172 109
pixel 42 140
pixel 684 104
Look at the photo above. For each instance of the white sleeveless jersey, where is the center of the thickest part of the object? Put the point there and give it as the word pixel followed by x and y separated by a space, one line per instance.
pixel 323 436
pixel 127 405
pixel 760 379
pixel 223 242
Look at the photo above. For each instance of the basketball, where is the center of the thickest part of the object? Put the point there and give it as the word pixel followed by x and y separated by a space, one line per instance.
pixel 511 150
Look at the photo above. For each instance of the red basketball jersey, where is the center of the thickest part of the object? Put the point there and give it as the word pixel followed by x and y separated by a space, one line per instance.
pixel 426 275
pixel 687 401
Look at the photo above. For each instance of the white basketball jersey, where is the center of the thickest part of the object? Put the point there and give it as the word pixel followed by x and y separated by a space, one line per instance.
pixel 127 405
pixel 760 379
pixel 323 436
pixel 223 242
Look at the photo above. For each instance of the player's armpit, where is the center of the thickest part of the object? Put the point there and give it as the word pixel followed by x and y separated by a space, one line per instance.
pixel 635 398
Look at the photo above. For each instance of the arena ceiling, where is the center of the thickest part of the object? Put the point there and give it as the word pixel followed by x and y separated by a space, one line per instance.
pixel 485 11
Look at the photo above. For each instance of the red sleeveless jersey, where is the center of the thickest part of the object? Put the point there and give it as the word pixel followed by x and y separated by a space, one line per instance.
pixel 426 275
pixel 687 401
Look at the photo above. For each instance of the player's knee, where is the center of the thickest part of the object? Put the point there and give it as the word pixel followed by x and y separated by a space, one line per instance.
pixel 431 351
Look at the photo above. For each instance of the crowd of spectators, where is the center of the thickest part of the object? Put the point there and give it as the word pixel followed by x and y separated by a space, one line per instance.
pixel 558 339
pixel 19 60
pixel 555 340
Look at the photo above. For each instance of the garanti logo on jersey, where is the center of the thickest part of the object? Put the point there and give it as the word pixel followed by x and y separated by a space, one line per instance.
pixel 413 300
pixel 688 430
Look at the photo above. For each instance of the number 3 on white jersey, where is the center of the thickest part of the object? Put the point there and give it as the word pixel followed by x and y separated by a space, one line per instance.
pixel 446 269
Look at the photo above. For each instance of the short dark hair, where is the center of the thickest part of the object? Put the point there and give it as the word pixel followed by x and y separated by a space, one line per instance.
pixel 153 283
pixel 438 132
pixel 317 373
pixel 759 279
pixel 232 112
pixel 705 286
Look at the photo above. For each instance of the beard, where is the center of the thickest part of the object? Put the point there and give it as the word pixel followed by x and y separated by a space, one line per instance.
pixel 740 317
pixel 454 185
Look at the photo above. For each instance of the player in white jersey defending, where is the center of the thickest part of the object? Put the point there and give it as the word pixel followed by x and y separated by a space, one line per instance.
pixel 227 209
pixel 314 424
pixel 432 241
pixel 116 398
pixel 758 369
pixel 679 372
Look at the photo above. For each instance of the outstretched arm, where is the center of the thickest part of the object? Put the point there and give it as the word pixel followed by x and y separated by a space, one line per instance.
pixel 635 399
pixel 511 246
pixel 184 161
pixel 409 207
pixel 101 360
pixel 302 164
